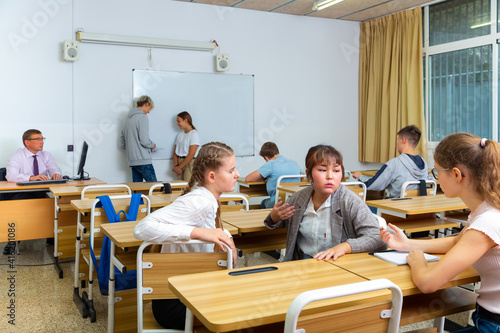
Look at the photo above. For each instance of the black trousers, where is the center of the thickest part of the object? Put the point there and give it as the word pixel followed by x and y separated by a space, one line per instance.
pixel 170 313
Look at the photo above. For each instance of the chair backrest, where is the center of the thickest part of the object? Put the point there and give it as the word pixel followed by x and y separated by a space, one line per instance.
pixel 239 196
pixel 280 178
pixel 431 188
pixel 357 187
pixel 98 215
pixel 154 269
pixel 155 186
pixel 307 297
pixel 96 190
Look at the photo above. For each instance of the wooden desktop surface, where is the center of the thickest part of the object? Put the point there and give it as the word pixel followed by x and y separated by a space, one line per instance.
pixel 76 190
pixel 157 200
pixel 372 268
pixel 242 181
pixel 172 196
pixel 122 234
pixel 291 189
pixel 418 205
pixel 223 302
pixel 8 186
pixel 145 186
pixel 247 221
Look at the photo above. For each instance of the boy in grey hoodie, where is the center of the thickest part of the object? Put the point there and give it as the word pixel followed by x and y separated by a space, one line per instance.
pixel 136 142
pixel 398 170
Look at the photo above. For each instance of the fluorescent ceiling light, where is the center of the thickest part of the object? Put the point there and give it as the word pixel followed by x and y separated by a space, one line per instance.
pixel 88 37
pixel 322 4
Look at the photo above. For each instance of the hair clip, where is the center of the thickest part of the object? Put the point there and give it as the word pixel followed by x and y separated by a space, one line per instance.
pixel 483 142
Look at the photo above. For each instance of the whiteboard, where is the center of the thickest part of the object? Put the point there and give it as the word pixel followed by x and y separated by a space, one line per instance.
pixel 221 105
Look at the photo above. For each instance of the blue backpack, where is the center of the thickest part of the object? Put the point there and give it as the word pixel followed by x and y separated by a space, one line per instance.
pixel 122 281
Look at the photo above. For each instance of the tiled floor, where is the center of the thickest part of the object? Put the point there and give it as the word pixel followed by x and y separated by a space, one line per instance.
pixel 44 303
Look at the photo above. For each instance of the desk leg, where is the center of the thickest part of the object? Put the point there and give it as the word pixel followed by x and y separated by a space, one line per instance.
pixel 58 268
pixel 56 241
pixel 439 324
pixel 111 290
pixel 77 299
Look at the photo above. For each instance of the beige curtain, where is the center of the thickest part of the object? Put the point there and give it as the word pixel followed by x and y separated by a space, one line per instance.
pixel 390 84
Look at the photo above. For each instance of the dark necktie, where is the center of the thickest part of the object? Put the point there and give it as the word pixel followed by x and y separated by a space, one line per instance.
pixel 35 166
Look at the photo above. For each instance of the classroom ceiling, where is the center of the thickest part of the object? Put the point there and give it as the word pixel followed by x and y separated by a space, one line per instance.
pixel 352 10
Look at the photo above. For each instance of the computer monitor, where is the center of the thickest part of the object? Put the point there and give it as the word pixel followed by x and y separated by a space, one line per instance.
pixel 83 158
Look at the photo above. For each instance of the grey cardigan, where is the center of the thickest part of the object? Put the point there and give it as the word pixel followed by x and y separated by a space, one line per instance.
pixel 351 222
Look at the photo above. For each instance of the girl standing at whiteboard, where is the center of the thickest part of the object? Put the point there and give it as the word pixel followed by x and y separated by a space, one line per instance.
pixel 186 146
pixel 194 215
pixel 469 168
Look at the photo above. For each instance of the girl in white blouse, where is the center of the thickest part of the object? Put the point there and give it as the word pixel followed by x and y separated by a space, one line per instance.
pixel 469 168
pixel 194 215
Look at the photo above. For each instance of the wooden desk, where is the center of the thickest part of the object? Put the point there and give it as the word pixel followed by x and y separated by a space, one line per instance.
pixel 253 235
pixel 369 173
pixel 32 218
pixel 157 200
pixel 415 214
pixel 222 303
pixel 143 187
pixel 372 268
pixel 247 221
pixel 252 189
pixel 416 306
pixel 417 205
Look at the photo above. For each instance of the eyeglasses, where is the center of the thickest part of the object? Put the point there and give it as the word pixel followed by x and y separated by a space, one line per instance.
pixel 37 139
pixel 435 172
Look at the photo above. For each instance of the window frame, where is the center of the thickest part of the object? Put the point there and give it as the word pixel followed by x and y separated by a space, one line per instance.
pixel 492 39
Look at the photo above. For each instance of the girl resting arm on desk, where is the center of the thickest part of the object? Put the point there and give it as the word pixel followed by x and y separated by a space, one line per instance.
pixel 469 168
pixel 325 220
pixel 194 215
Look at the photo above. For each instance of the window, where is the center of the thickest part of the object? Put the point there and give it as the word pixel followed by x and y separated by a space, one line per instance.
pixel 455 20
pixel 460 90
pixel 459 50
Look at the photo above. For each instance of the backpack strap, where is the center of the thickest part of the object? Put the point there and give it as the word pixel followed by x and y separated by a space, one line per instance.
pixel 109 208
pixel 423 187
pixel 133 208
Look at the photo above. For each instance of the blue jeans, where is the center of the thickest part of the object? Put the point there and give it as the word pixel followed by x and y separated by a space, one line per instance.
pixel 143 172
pixel 482 325
pixel 266 203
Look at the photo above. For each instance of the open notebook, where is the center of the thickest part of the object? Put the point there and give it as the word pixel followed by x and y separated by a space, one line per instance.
pixel 399 258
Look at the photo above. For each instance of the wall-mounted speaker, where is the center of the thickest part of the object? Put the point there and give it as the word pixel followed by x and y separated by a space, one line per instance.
pixel 222 62
pixel 70 50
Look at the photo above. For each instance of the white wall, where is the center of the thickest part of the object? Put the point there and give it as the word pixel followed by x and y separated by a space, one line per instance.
pixel 306 76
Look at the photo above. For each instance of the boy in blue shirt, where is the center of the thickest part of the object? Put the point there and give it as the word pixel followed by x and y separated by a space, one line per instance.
pixel 275 167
